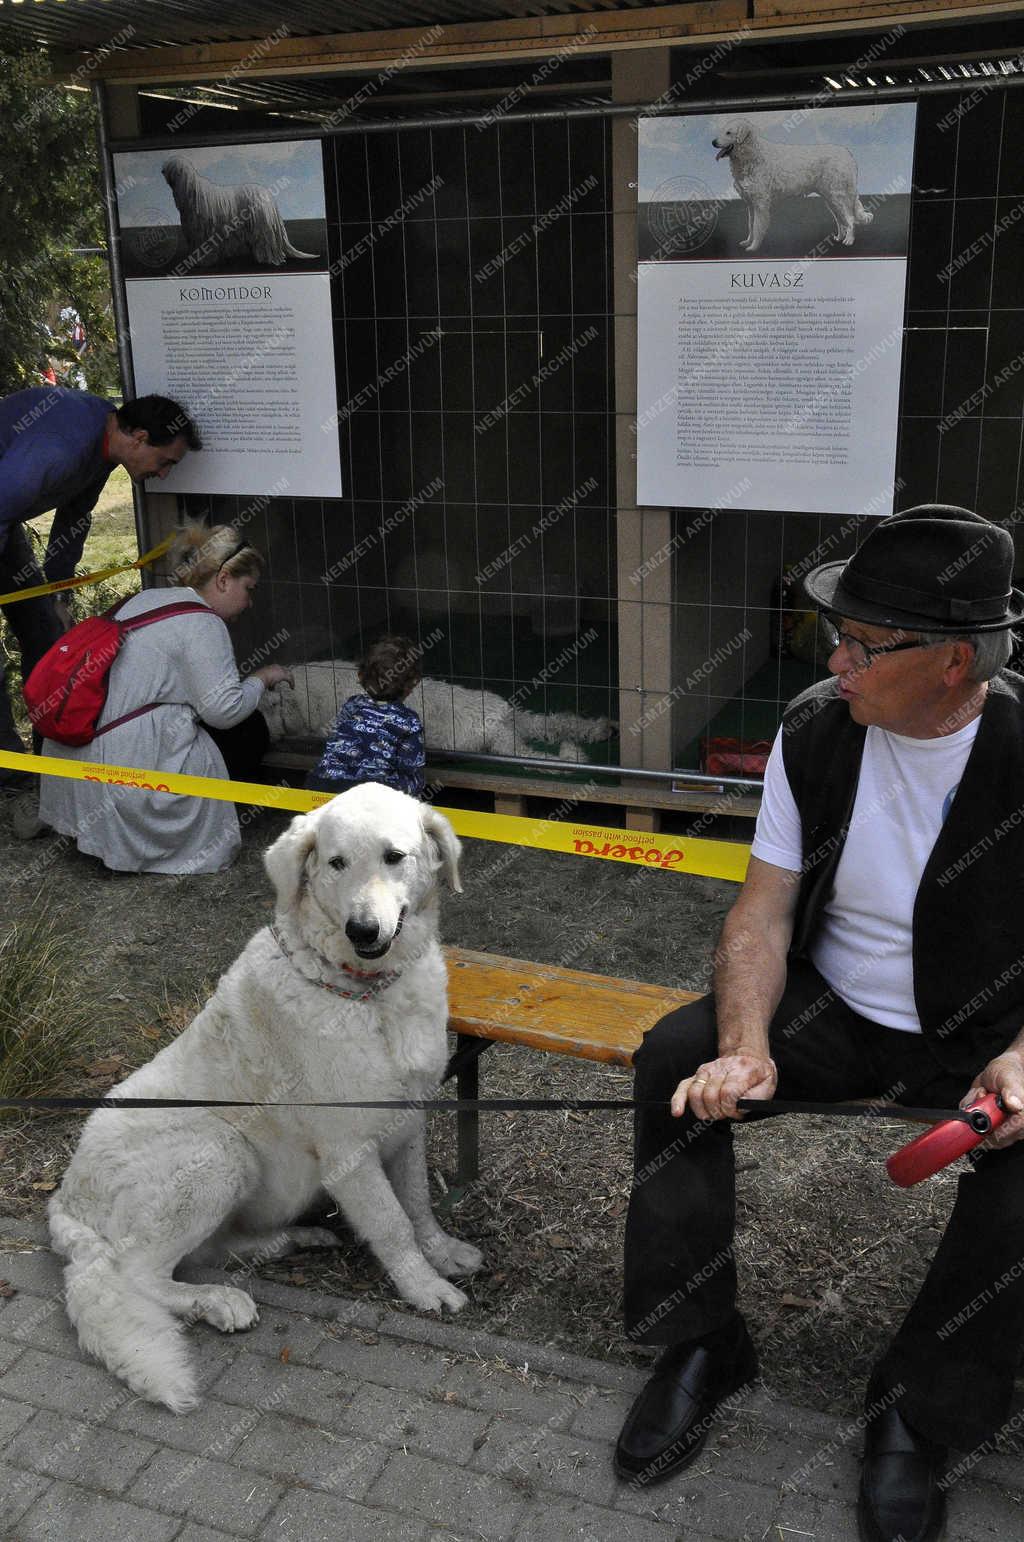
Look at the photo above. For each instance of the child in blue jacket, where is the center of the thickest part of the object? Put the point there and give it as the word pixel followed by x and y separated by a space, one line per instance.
pixel 376 737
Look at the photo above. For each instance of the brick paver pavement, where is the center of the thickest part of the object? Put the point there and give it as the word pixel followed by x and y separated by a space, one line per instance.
pixel 335 1421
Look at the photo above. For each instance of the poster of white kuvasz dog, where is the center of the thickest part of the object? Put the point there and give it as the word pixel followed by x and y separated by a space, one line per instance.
pixel 342 998
pixel 764 171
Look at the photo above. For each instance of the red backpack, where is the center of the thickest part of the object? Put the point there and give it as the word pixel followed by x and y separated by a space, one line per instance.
pixel 67 690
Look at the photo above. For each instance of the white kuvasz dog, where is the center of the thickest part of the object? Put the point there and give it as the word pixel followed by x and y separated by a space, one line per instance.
pixel 344 997
pixel 764 171
pixel 453 717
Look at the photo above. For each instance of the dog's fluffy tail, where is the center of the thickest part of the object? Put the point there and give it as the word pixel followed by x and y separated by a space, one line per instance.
pixel 293 251
pixel 118 1320
pixel 556 726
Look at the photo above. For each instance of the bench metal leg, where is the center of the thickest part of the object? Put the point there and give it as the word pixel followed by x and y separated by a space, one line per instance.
pixel 465 1067
pixel 468 1084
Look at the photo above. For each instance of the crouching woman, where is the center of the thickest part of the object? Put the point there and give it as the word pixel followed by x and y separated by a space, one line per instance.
pixel 172 681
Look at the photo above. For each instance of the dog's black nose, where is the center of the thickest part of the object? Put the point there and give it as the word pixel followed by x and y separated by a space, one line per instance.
pixel 362 934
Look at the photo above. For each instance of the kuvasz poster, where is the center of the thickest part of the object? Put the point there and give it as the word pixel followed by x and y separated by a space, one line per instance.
pixel 771 280
pixel 224 253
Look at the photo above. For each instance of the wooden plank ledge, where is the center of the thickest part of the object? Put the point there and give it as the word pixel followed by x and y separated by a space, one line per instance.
pixel 561 1011
pixel 638 795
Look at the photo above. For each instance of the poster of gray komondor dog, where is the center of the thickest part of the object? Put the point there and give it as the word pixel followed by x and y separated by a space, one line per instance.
pixel 225 222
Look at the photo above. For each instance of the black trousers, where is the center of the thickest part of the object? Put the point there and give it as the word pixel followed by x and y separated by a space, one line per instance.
pixel 243 747
pixel 35 623
pixel 956 1353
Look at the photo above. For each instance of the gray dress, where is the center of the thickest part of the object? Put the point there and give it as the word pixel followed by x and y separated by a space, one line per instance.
pixel 187 664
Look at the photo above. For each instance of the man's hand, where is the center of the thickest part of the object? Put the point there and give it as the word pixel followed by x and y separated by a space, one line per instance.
pixel 712 1090
pixel 1005 1075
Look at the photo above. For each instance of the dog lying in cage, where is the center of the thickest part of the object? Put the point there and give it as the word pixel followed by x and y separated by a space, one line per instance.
pixel 453 717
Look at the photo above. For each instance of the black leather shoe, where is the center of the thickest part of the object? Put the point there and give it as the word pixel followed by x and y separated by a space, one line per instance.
pixel 668 1424
pixel 900 1499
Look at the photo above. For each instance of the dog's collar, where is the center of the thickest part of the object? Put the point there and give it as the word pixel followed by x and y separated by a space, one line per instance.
pixel 377 981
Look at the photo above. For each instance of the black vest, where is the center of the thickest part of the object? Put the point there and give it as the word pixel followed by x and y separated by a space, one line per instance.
pixel 968 924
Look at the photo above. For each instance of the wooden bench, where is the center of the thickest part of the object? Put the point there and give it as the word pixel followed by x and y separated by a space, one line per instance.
pixel 496 1000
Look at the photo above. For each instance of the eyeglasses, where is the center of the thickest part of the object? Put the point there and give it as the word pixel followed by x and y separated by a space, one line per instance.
pixel 862 655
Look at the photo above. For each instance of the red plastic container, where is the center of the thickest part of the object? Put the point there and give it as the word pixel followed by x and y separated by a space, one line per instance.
pixel 944 1142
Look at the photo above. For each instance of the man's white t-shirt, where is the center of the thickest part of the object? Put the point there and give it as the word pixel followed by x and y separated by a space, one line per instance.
pixel 863 946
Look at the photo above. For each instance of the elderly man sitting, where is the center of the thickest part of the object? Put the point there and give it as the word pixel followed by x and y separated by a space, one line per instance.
pixel 875 950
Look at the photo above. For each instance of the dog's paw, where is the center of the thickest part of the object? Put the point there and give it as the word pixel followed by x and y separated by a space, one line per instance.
pixel 433 1295
pixel 225 1308
pixel 450 1256
pixel 447 1295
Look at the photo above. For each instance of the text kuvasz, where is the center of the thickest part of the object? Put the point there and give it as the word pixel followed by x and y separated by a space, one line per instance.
pixel 764 171
pixel 453 717
pixel 344 997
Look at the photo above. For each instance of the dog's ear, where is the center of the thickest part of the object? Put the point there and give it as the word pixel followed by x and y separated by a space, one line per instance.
pixel 285 860
pixel 446 843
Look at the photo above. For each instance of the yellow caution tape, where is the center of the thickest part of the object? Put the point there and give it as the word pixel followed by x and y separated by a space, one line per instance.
pixel 87 578
pixel 293 799
pixel 667 853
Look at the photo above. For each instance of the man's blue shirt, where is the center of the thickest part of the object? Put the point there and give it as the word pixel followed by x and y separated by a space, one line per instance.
pixel 51 452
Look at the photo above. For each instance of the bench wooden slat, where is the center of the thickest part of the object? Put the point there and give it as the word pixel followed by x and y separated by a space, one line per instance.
pixel 562 1011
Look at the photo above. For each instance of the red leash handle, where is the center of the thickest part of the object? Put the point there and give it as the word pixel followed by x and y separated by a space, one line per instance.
pixel 944 1142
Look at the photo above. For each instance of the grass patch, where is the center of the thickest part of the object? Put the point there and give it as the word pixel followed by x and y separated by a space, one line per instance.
pixel 47 1019
pixel 111 538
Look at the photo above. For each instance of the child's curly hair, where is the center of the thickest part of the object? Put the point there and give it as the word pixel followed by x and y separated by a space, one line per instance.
pixel 390 668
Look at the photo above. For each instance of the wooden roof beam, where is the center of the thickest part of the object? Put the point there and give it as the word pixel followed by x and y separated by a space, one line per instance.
pixel 700 21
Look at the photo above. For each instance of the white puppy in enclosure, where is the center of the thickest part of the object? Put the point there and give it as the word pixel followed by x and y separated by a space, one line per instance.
pixel 453 717
pixel 223 222
pixel 763 171
pixel 343 998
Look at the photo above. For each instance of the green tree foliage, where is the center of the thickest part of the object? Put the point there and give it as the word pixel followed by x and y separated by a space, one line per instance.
pixel 50 202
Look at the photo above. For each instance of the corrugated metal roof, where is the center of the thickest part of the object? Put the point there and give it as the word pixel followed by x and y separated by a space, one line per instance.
pixel 87 26
pixel 105 34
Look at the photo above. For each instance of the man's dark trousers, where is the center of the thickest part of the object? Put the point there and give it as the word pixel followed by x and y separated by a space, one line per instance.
pixel 34 623
pixel 955 1355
